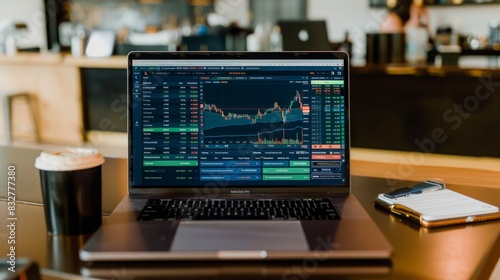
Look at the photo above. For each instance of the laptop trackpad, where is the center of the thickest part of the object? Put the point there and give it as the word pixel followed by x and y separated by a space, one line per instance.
pixel 239 235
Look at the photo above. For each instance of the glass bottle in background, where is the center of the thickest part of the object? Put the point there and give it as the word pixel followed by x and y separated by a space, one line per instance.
pixel 494 34
pixel 11 45
pixel 78 40
pixel 346 45
pixel 275 39
pixel 416 45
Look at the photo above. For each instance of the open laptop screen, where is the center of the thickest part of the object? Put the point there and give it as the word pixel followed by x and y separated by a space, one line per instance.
pixel 238 122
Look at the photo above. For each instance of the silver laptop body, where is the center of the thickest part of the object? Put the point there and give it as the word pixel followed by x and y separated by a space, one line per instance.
pixel 232 126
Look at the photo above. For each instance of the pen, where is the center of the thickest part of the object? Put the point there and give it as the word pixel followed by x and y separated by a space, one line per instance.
pixel 419 188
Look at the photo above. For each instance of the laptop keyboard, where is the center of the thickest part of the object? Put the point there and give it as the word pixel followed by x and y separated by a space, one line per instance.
pixel 238 209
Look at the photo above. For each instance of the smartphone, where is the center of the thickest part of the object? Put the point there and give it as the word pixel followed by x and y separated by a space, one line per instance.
pixel 429 185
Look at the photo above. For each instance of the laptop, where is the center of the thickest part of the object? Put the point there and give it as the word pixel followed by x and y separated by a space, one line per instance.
pixel 238 156
pixel 304 35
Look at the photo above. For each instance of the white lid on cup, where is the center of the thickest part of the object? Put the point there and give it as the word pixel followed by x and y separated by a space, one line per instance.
pixel 69 159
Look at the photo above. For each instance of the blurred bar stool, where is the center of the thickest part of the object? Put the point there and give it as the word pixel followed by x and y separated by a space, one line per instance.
pixel 7 99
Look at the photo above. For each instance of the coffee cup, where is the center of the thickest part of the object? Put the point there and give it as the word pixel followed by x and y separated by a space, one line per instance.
pixel 71 189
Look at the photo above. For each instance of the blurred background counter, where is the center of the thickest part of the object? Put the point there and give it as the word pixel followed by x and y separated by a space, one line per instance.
pixel 446 110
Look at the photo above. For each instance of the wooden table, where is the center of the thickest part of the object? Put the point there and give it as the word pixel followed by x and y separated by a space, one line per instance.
pixel 456 252
pixel 397 166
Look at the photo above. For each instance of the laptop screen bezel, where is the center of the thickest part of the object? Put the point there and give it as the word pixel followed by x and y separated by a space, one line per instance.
pixel 204 191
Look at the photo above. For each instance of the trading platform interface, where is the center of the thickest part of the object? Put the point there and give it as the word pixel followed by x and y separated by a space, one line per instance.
pixel 238 123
